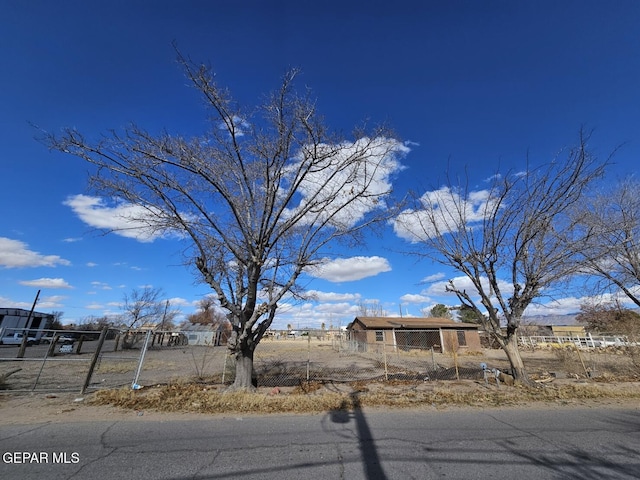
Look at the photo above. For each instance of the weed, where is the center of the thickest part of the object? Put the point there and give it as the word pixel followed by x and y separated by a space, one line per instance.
pixel 316 397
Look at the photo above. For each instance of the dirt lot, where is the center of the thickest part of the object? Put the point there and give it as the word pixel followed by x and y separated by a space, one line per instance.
pixel 604 378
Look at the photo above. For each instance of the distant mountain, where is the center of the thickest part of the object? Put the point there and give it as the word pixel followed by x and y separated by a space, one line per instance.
pixel 569 319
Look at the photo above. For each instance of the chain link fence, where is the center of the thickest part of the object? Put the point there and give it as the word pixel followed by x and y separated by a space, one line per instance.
pixel 285 360
pixel 77 360
pixel 414 356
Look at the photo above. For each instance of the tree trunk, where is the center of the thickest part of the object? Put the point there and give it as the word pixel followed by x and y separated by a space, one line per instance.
pixel 245 377
pixel 510 347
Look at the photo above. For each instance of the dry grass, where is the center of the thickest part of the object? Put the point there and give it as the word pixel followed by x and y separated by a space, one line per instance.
pixel 615 381
pixel 5 375
pixel 316 397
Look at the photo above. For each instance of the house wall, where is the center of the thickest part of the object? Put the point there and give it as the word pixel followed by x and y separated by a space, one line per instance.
pixel 473 340
pixel 357 334
pixel 452 343
pixel 201 338
pixel 441 339
pixel 568 330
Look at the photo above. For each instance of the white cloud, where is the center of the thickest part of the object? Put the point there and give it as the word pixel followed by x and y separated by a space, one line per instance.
pixel 94 306
pixel 464 283
pixel 414 298
pixel 562 306
pixel 15 254
pixel 313 316
pixel 332 296
pixel 433 278
pixel 350 269
pixel 442 211
pixel 239 126
pixel 180 302
pixel 49 303
pixel 7 302
pixel 124 219
pixel 569 305
pixel 46 283
pixel 345 188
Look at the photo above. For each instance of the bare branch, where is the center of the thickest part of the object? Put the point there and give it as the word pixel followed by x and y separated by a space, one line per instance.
pixel 258 197
pixel 514 241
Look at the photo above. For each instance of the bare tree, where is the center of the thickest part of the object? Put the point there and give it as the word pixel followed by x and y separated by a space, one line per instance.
pixel 371 309
pixel 141 307
pixel 259 195
pixel 609 318
pixel 611 221
pixel 169 314
pixel 512 242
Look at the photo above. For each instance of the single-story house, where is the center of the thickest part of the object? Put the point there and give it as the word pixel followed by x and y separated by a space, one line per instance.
pixel 441 334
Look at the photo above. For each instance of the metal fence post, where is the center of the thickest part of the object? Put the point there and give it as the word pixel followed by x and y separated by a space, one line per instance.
pixel 384 358
pixel 94 359
pixel 135 385
pixel 455 362
pixel 44 360
pixel 308 353
pixel 433 359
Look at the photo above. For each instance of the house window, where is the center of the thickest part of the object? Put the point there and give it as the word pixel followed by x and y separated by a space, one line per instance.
pixel 379 336
pixel 462 338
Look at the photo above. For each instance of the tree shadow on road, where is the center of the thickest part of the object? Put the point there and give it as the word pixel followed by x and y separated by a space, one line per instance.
pixel 352 409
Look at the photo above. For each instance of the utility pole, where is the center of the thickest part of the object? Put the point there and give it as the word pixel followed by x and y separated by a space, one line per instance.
pixel 25 336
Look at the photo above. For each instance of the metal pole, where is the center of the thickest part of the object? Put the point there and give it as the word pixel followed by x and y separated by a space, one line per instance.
pixel 44 360
pixel 94 359
pixel 33 307
pixel 135 385
pixel 384 358
pixel 25 338
pixel 308 352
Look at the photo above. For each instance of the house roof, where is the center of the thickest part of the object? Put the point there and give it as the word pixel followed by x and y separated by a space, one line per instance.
pixel 202 327
pixel 409 323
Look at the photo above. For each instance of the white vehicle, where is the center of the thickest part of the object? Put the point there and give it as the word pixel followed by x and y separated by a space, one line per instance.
pixel 16 339
pixel 62 339
pixel 610 342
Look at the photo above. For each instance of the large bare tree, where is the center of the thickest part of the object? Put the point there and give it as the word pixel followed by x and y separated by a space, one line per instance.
pixel 261 195
pixel 611 222
pixel 512 242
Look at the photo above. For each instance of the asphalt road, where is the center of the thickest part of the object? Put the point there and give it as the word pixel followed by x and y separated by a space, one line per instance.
pixel 562 443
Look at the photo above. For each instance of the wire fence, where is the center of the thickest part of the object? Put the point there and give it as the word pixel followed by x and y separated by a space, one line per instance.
pixel 164 358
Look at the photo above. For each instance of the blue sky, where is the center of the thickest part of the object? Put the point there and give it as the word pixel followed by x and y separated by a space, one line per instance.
pixel 472 86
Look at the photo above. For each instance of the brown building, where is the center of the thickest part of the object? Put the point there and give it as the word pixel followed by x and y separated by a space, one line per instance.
pixel 441 334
